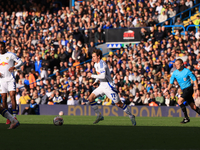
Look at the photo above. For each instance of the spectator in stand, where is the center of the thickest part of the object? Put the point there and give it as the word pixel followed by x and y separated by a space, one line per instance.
pixel 61 32
pixel 92 36
pixel 76 53
pixel 43 74
pixel 162 17
pixel 31 110
pixel 38 64
pixel 32 80
pixel 159 34
pixel 197 35
pixel 135 77
pixel 197 98
pixel 189 3
pixel 167 99
pixel 172 13
pixel 107 25
pixel 99 36
pixel 179 22
pixel 173 99
pixel 182 8
pixel 152 101
pixel 86 37
pixel 197 21
pixel 146 100
pixel 36 98
pixel 159 7
pixel 57 99
pixel 24 99
pixel 82 99
pixel 155 17
pixel 70 100
pixel 43 96
pixel 160 99
pixel 137 100
pixel 20 85
pixel 90 50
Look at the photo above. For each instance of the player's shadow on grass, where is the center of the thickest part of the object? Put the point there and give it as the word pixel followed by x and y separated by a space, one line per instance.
pixel 47 136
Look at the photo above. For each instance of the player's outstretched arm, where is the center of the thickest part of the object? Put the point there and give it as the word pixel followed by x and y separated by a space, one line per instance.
pixel 19 63
pixel 102 75
pixel 11 69
pixel 17 60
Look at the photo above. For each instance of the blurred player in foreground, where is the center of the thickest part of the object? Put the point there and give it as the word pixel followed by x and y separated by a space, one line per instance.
pixel 7 79
pixel 106 87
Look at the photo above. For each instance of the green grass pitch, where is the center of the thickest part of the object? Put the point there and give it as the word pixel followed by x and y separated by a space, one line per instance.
pixel 78 132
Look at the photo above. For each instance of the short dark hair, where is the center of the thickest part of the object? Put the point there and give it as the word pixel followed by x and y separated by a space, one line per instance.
pixel 180 60
pixel 3 44
pixel 98 52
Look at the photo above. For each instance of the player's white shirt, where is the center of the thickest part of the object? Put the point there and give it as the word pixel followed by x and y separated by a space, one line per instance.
pixel 6 62
pixel 106 86
pixel 103 74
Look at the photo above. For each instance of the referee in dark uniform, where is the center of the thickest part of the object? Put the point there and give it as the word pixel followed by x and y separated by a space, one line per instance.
pixel 183 77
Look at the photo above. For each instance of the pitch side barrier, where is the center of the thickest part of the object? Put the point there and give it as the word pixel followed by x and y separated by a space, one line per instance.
pixel 139 111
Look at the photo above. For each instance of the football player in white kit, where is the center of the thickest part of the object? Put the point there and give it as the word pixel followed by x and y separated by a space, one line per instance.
pixel 7 79
pixel 4 112
pixel 106 87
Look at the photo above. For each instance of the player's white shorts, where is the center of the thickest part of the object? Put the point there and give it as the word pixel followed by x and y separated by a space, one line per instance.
pixel 111 93
pixel 7 86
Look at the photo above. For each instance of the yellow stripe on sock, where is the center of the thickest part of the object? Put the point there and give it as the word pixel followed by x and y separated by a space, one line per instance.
pixel 3 111
pixel 93 102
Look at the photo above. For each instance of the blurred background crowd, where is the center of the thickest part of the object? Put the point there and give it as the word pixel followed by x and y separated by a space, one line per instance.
pixel 56 43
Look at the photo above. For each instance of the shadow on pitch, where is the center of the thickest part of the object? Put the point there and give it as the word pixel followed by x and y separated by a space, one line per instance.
pixel 102 137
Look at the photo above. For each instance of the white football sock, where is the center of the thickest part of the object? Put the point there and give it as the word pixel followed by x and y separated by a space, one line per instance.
pixel 126 110
pixel 10 117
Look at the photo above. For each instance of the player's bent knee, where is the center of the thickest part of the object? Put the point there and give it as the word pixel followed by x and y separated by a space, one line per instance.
pixel 193 106
pixel 119 104
pixel 180 100
pixel 92 97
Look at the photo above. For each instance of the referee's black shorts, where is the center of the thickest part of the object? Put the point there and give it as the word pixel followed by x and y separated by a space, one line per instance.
pixel 187 94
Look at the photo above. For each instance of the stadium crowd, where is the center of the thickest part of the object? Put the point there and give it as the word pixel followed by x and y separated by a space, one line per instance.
pixel 53 39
